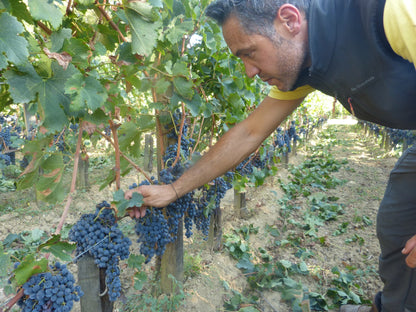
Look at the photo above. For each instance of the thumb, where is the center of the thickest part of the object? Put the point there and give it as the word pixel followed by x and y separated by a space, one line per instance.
pixel 410 250
pixel 410 245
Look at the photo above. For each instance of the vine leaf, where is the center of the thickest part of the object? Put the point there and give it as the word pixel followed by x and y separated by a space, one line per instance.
pixel 58 248
pixel 29 267
pixel 178 30
pixel 88 93
pixel 130 133
pixel 143 29
pixel 58 38
pixel 4 262
pixel 49 184
pixel 62 58
pixel 46 11
pixel 123 204
pixel 26 86
pixel 13 48
pixel 86 2
pixel 184 87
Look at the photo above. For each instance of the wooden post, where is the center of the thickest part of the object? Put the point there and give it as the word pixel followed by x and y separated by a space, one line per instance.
pixel 215 230
pixel 285 159
pixel 383 137
pixel 387 142
pixel 82 174
pixel 294 147
pixel 89 280
pixel 106 304
pixel 171 264
pixel 240 204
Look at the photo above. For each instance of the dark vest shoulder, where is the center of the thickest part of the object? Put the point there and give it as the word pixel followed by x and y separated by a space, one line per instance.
pixel 353 61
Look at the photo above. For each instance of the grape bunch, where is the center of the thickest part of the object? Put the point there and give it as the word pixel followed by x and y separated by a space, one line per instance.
pixel 54 290
pixel 160 226
pixel 99 235
pixel 9 131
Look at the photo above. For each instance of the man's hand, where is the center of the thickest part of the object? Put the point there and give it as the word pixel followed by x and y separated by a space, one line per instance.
pixel 153 196
pixel 410 250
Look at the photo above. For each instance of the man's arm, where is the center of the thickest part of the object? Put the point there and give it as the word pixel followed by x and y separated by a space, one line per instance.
pixel 232 148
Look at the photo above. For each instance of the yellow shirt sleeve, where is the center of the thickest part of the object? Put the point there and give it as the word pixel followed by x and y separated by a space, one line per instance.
pixel 400 27
pixel 298 93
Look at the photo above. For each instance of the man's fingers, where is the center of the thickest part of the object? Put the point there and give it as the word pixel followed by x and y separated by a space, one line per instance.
pixel 411 259
pixel 410 250
pixel 410 245
pixel 137 212
pixel 131 213
pixel 142 211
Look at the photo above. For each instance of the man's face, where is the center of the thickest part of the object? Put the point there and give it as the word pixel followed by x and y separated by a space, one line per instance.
pixel 277 62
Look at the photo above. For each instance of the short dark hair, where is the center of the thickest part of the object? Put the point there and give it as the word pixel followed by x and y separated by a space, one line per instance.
pixel 255 16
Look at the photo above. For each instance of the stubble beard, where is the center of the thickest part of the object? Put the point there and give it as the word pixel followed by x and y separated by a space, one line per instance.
pixel 291 62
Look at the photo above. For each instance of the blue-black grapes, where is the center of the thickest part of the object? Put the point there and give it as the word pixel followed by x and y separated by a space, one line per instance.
pixel 160 226
pixel 99 234
pixel 8 132
pixel 52 291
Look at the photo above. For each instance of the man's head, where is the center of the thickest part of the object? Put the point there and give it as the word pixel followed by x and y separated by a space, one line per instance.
pixel 270 36
pixel 255 16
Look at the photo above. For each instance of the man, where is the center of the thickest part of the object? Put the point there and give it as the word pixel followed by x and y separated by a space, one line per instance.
pixel 363 52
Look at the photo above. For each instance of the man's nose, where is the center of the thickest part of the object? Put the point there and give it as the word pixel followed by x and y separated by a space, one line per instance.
pixel 251 70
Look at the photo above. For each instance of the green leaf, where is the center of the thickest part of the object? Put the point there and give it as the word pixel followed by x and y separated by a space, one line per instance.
pixel 162 86
pixel 78 50
pixel 13 48
pixel 144 33
pixel 26 85
pixel 178 30
pixel 184 87
pixel 196 105
pixel 246 264
pixel 130 133
pixel 118 196
pixel 88 93
pixel 135 261
pixel 86 2
pixel 143 9
pixel 287 264
pixel 180 69
pixel 58 38
pixel 123 204
pixel 108 37
pixel 19 9
pixel 49 184
pixel 58 248
pixel 4 262
pixel 136 200
pixel 29 267
pixel 47 11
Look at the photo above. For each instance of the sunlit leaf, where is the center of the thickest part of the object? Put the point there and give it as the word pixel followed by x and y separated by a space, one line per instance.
pixel 87 92
pixel 26 85
pixel 13 48
pixel 46 11
pixel 144 32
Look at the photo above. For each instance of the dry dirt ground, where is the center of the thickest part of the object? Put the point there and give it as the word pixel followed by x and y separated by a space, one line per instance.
pixel 365 176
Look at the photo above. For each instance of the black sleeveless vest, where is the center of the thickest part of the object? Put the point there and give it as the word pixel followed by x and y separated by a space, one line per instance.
pixel 353 61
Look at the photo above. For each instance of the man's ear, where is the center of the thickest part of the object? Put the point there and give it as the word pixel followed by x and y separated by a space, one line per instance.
pixel 290 18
